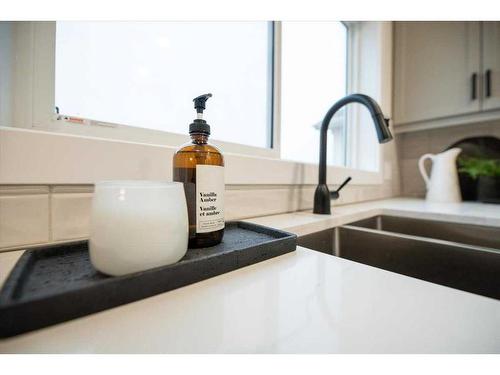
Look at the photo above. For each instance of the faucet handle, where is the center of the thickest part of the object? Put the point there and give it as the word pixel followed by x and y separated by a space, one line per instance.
pixel 335 194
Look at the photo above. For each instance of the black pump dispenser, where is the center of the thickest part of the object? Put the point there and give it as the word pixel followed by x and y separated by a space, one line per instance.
pixel 199 125
pixel 200 167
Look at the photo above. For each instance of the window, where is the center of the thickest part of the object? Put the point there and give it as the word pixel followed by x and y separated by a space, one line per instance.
pixel 145 74
pixel 134 81
pixel 313 77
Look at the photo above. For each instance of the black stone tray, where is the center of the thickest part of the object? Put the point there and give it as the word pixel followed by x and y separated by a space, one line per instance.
pixel 58 283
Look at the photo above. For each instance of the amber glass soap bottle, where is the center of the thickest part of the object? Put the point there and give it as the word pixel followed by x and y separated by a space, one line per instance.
pixel 200 166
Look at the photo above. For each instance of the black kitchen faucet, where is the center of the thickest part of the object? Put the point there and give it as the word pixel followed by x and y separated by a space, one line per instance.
pixel 322 195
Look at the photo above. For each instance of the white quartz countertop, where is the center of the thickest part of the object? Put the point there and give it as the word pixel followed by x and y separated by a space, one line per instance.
pixel 300 302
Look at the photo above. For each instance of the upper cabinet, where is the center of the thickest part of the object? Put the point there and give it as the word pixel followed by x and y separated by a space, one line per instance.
pixel 445 73
pixel 491 65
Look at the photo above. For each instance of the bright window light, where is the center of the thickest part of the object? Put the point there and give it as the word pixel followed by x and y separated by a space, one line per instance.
pixel 145 74
pixel 313 78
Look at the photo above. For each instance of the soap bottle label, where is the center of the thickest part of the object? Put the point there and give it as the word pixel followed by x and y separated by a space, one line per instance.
pixel 209 198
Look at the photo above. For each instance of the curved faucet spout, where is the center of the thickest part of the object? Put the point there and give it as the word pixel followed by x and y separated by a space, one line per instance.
pixel 322 194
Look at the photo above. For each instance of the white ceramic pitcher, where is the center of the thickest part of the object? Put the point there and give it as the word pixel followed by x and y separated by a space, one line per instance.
pixel 442 186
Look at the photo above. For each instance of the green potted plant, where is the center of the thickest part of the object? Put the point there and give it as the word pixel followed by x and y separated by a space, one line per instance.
pixel 487 173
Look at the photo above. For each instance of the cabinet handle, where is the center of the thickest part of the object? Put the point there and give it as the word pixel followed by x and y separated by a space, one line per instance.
pixel 474 86
pixel 488 83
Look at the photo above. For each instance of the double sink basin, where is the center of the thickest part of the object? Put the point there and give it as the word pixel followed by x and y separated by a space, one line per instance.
pixel 461 256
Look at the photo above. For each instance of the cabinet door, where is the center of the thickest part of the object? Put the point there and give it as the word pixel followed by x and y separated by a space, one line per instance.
pixel 434 67
pixel 491 65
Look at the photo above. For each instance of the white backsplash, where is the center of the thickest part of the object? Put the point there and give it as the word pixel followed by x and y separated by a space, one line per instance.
pixel 39 215
pixel 24 215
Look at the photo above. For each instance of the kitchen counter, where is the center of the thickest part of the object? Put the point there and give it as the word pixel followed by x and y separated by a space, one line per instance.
pixel 300 302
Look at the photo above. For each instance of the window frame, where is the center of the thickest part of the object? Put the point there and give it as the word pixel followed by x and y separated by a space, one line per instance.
pixel 44 117
pixel 40 70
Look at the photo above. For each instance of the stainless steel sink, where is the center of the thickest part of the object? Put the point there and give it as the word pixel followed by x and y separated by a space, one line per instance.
pixel 462 266
pixel 463 233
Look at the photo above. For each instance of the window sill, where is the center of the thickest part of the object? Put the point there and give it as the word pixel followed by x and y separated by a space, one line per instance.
pixel 40 157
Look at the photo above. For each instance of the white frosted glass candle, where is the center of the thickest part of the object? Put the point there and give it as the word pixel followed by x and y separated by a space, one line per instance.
pixel 137 225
